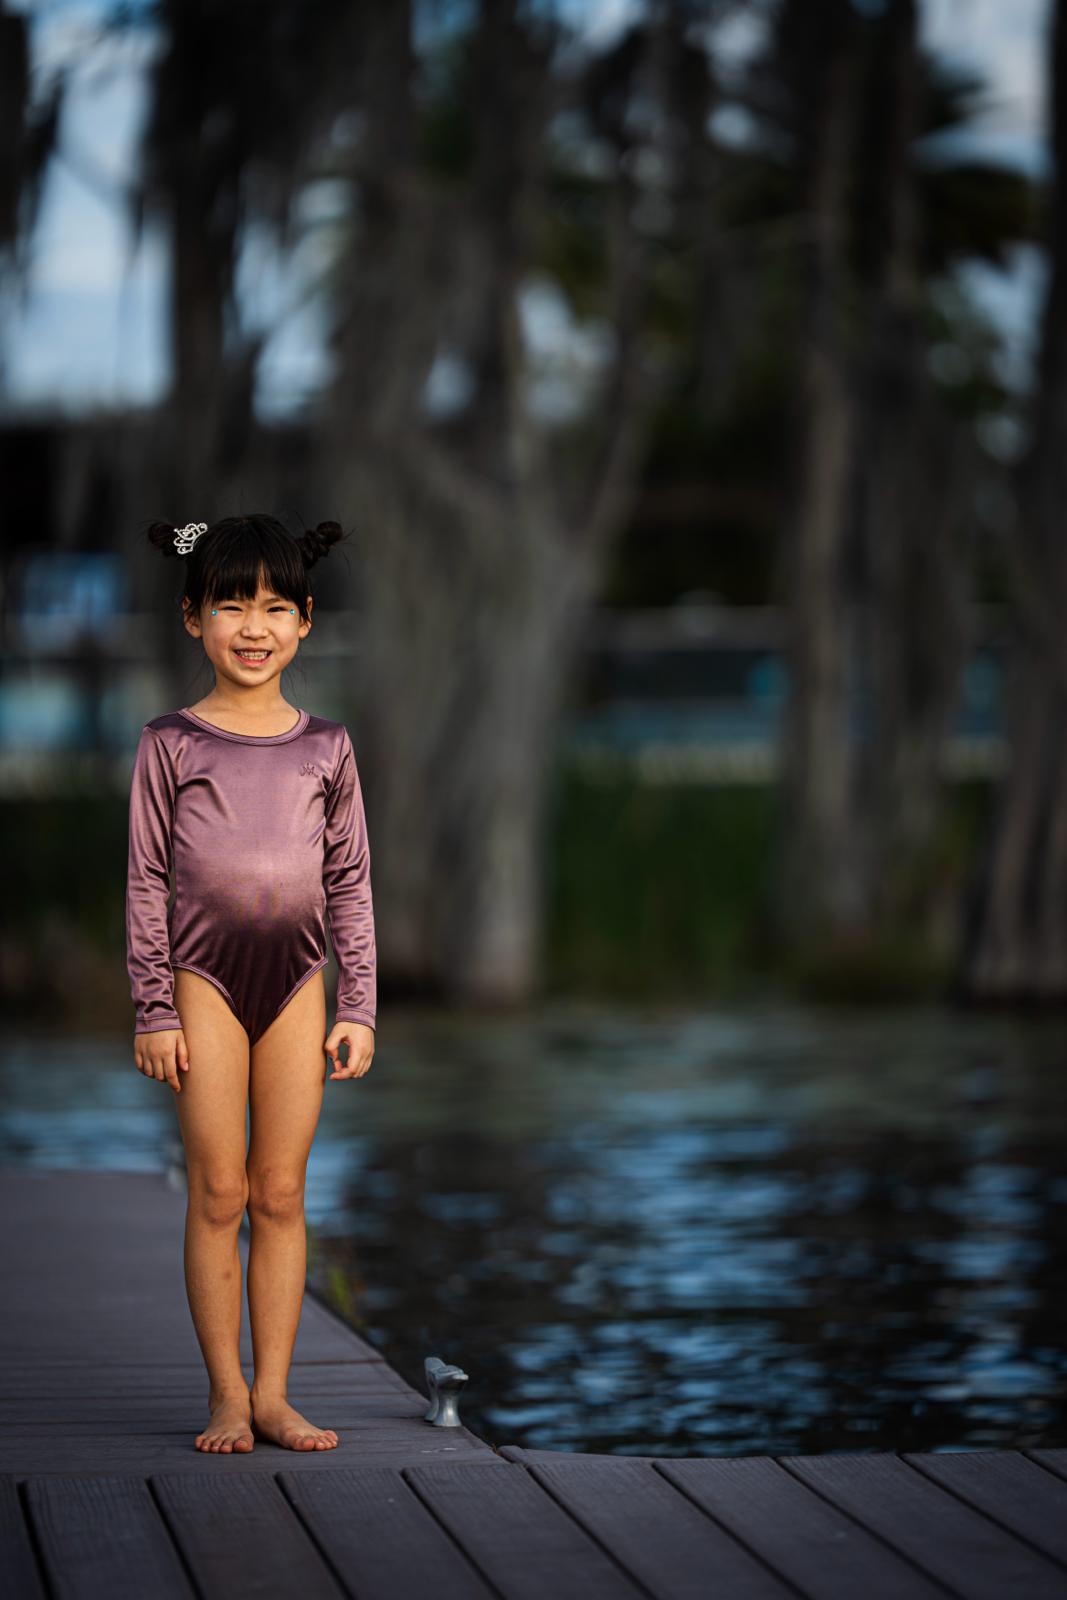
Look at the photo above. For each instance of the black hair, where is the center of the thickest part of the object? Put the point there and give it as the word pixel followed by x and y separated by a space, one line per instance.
pixel 228 561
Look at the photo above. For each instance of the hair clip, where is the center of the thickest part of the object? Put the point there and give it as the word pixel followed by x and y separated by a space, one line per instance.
pixel 188 536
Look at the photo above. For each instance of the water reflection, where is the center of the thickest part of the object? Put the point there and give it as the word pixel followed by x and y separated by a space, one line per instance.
pixel 760 1232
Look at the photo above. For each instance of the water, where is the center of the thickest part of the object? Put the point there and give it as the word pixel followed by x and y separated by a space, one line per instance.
pixel 762 1231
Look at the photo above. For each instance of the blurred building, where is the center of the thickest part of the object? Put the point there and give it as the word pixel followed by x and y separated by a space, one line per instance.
pixel 690 691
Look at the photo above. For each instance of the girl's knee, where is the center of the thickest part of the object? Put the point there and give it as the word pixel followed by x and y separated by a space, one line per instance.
pixel 275 1196
pixel 219 1197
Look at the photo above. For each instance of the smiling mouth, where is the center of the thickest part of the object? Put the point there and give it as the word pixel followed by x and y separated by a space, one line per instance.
pixel 253 657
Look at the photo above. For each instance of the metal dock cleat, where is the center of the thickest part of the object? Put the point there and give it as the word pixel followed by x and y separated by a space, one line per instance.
pixel 443 1384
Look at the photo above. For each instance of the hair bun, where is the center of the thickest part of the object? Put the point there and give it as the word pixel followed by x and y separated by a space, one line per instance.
pixel 318 541
pixel 161 536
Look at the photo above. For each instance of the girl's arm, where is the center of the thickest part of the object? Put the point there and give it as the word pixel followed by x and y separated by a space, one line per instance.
pixel 148 886
pixel 346 881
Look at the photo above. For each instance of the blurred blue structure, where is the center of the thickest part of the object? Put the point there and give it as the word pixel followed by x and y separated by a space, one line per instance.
pixel 685 691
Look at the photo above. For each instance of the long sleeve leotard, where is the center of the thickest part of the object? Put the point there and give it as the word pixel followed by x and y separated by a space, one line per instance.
pixel 267 840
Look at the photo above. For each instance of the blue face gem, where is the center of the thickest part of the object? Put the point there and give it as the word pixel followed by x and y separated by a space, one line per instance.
pixel 214 613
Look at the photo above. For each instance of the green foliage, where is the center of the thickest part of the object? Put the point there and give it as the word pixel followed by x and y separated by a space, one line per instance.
pixel 654 889
pixel 339 1292
pixel 62 922
pixel 659 891
pixel 70 856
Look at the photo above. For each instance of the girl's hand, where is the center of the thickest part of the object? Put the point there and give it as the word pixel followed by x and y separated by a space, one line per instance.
pixel 360 1041
pixel 156 1055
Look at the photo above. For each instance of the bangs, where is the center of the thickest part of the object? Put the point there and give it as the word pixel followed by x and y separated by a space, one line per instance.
pixel 238 555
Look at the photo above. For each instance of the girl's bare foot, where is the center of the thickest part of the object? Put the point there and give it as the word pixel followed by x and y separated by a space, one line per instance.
pixel 274 1418
pixel 230 1427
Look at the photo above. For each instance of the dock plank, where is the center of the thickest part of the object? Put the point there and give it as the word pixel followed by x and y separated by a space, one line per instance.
pixel 1007 1488
pixel 106 1391
pixel 63 1450
pixel 381 1537
pixel 88 1387
pixel 1051 1460
pixel 955 1544
pixel 241 1536
pixel 148 1413
pixel 810 1543
pixel 518 1537
pixel 20 1578
pixel 96 1240
pixel 104 1373
pixel 104 1536
pixel 669 1545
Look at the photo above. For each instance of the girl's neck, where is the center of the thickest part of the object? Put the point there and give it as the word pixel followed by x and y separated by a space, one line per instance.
pixel 247 713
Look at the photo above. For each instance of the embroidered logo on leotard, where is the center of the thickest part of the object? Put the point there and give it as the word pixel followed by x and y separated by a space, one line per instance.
pixel 308 767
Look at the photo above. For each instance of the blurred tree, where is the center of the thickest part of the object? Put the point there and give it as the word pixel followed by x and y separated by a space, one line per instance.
pixel 819 57
pixel 1018 944
pixel 486 173
pixel 916 471
pixel 239 95
pixel 878 552
pixel 27 131
pixel 28 128
pixel 488 518
pixel 487 521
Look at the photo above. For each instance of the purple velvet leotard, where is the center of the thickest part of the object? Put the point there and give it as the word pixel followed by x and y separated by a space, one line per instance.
pixel 267 838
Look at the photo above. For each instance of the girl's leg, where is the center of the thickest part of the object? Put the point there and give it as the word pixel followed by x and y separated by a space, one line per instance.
pixel 212 1107
pixel 287 1078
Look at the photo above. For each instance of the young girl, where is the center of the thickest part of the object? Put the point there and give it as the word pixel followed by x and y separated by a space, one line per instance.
pixel 257 807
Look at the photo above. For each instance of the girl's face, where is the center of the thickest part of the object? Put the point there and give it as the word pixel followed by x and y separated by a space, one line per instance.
pixel 249 642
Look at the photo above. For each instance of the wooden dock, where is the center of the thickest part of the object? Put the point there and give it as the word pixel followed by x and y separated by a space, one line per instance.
pixel 103 1494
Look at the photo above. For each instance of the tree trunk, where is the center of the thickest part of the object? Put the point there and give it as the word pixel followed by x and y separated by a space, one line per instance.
pixel 877 566
pixel 814 884
pixel 915 465
pixel 1018 946
pixel 482 540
